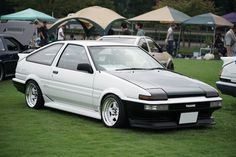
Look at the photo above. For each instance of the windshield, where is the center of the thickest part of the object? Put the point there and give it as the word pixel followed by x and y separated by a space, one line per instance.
pixel 119 40
pixel 110 58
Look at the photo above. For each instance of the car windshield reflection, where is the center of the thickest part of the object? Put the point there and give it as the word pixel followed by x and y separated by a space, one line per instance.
pixel 124 40
pixel 113 58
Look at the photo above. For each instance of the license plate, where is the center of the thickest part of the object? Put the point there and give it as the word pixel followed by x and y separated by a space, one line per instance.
pixel 188 117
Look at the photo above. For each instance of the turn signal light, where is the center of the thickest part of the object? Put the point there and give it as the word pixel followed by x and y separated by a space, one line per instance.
pixel 156 107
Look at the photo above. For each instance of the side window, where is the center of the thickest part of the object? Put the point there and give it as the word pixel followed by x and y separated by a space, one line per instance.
pixel 46 55
pixel 1 45
pixel 11 45
pixel 142 43
pixel 72 56
pixel 153 46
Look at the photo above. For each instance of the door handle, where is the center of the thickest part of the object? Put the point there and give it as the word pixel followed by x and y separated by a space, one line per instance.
pixel 55 72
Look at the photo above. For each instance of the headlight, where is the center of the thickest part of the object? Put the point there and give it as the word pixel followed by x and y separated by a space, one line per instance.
pixel 156 107
pixel 155 94
pixel 215 104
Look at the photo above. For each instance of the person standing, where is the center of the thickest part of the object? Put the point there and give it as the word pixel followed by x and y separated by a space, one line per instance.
pixel 139 27
pixel 43 34
pixel 60 33
pixel 230 41
pixel 170 40
pixel 124 29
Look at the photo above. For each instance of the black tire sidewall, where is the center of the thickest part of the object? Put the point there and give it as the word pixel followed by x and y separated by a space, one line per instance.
pixel 1 72
pixel 40 100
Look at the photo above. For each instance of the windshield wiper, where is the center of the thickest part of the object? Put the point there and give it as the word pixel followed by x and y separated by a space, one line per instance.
pixel 132 69
pixel 157 68
pixel 138 69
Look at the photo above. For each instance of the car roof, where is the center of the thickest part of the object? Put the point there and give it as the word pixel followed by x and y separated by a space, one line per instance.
pixel 93 43
pixel 123 36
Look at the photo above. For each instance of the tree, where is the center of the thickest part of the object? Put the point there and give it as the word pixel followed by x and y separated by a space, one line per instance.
pixel 225 6
pixel 59 8
pixel 6 7
pixel 189 7
pixel 131 8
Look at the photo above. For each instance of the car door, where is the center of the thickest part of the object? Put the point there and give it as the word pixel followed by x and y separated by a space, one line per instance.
pixel 10 55
pixel 71 86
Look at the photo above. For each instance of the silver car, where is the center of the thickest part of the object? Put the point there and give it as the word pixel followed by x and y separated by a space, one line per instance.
pixel 147 44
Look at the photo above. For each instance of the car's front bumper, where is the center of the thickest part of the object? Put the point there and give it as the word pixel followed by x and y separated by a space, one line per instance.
pixel 139 117
pixel 227 88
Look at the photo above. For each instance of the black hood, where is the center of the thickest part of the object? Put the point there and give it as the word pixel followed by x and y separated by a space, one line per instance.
pixel 173 84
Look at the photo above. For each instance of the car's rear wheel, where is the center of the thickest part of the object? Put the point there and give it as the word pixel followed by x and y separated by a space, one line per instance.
pixel 113 112
pixel 2 74
pixel 33 95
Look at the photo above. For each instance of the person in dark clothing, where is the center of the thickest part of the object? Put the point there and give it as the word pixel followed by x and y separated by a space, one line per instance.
pixel 111 32
pixel 43 34
pixel 125 30
pixel 219 45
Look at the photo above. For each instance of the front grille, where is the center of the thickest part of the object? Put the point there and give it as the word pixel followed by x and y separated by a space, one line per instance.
pixel 198 106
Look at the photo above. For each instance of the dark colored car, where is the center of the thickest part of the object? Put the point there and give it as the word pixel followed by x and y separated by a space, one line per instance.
pixel 9 49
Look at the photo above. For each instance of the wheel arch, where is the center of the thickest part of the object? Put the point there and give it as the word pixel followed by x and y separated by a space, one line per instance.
pixel 36 79
pixel 113 91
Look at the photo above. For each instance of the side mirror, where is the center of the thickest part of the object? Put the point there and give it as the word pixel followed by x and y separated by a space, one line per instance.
pixel 85 67
pixel 25 47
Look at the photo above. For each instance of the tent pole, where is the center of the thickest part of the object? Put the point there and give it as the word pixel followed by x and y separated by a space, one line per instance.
pixel 214 38
pixel 178 46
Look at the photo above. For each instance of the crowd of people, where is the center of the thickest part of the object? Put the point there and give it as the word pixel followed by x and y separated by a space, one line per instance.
pixel 225 46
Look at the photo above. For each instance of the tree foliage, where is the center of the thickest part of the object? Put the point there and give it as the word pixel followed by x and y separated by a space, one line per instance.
pixel 59 8
pixel 127 8
pixel 190 7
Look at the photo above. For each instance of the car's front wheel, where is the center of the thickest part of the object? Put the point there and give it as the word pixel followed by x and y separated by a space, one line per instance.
pixel 1 73
pixel 113 112
pixel 33 95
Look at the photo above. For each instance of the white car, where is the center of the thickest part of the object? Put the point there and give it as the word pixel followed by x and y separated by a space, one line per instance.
pixel 147 44
pixel 227 83
pixel 120 84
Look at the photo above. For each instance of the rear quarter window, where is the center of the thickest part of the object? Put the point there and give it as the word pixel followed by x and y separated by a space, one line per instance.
pixel 45 56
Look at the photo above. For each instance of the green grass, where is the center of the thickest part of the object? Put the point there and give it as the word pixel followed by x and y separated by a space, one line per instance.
pixel 26 132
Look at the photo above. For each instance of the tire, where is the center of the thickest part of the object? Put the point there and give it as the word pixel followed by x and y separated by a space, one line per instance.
pixel 2 73
pixel 171 66
pixel 33 95
pixel 113 112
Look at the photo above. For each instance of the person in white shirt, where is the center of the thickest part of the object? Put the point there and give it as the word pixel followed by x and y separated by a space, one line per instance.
pixel 60 33
pixel 170 39
pixel 230 41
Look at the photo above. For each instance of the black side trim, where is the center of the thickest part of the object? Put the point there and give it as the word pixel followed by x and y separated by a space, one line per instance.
pixel 19 86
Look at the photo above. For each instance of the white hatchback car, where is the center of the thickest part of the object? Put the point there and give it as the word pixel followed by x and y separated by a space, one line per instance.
pixel 147 44
pixel 227 83
pixel 118 83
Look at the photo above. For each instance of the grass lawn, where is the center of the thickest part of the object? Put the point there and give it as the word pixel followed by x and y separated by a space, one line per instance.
pixel 26 132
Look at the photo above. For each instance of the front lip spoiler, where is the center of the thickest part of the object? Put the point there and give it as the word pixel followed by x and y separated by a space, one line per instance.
pixel 170 125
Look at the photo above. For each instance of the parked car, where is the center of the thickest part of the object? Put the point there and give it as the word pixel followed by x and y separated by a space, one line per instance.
pixel 118 83
pixel 9 48
pixel 227 83
pixel 147 44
